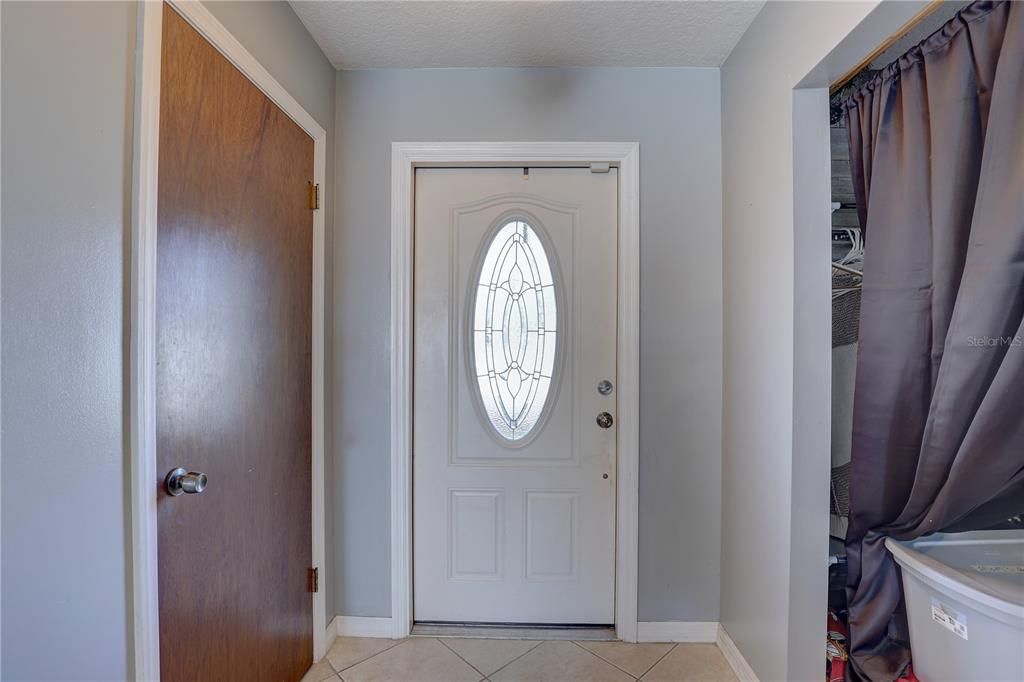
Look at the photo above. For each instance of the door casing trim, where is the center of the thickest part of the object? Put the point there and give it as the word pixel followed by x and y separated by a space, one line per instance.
pixel 144 590
pixel 405 158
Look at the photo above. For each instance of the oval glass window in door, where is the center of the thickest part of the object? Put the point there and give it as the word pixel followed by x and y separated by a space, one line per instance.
pixel 514 332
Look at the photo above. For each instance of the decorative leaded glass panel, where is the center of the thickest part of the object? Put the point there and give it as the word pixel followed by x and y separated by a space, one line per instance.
pixel 514 330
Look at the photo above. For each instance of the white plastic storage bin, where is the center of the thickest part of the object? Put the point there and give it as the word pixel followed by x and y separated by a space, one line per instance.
pixel 965 604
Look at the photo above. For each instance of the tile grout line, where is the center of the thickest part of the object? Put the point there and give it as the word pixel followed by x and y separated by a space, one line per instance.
pixel 457 655
pixel 599 656
pixel 363 660
pixel 518 657
pixel 487 678
pixel 670 650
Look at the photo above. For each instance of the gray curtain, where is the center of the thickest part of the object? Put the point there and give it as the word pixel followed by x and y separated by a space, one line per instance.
pixel 937 150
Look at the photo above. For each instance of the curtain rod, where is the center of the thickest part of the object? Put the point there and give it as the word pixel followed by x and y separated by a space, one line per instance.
pixel 886 44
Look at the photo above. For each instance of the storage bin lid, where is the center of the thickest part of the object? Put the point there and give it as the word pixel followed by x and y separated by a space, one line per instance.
pixel 987 566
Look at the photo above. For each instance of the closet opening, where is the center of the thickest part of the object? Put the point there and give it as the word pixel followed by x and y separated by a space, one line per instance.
pixel 893 132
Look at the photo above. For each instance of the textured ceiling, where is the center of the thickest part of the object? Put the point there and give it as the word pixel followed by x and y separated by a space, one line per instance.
pixel 361 34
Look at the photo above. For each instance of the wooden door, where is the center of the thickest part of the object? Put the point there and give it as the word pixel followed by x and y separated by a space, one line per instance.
pixel 514 395
pixel 234 317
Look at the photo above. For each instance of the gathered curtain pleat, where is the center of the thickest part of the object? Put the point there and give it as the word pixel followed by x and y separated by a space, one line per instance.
pixel 937 154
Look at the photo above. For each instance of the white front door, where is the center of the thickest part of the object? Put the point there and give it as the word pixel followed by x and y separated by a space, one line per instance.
pixel 514 395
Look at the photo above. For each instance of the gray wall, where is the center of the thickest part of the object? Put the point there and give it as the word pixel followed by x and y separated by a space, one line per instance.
pixel 68 88
pixel 67 102
pixel 775 445
pixel 674 115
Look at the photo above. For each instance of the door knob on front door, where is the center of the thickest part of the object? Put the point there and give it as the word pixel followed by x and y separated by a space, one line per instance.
pixel 179 481
pixel 604 420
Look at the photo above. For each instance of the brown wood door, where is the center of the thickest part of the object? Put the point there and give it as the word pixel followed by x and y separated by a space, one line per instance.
pixel 234 308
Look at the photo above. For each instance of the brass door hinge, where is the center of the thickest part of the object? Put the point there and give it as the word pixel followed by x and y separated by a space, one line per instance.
pixel 314 579
pixel 314 196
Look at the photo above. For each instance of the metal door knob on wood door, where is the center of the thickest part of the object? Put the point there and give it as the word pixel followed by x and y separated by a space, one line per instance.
pixel 179 481
pixel 604 420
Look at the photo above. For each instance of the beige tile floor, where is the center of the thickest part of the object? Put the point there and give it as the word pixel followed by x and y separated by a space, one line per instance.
pixel 429 659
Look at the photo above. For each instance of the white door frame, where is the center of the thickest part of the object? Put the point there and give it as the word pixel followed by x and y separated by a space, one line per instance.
pixel 405 158
pixel 142 428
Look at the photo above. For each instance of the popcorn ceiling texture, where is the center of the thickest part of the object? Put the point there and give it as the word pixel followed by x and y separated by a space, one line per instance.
pixel 485 33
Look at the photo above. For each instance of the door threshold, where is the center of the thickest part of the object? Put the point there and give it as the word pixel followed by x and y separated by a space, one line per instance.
pixel 590 633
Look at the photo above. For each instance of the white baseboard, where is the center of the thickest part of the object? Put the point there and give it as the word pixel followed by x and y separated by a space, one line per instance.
pixel 677 631
pixel 359 626
pixel 734 657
